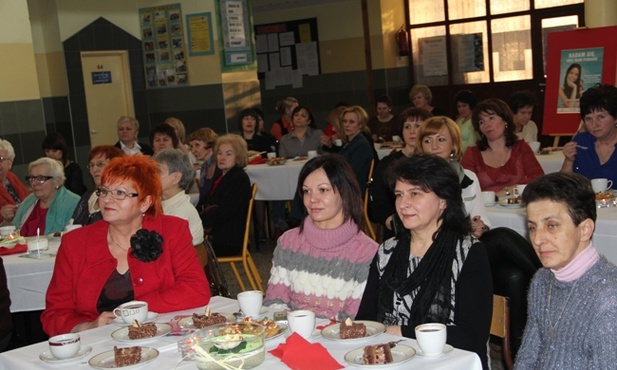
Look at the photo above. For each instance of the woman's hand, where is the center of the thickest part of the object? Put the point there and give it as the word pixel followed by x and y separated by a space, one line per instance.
pixel 569 151
pixel 394 330
pixel 104 318
pixel 477 226
pixel 8 212
pixel 326 141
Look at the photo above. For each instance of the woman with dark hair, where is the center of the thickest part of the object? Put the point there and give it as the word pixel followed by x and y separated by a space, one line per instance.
pixel 522 103
pixel 304 137
pixel 135 252
pixel 283 125
pixel 433 270
pixel 163 136
pixel 383 211
pixel 322 265
pixel 248 121
pixel 572 89
pixel 573 299
pixel 465 103
pixel 273 143
pixel 87 210
pixel 384 124
pixel 500 159
pixel 54 145
pixel 599 158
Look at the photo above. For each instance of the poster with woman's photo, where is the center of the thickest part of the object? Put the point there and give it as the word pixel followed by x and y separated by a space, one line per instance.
pixel 580 69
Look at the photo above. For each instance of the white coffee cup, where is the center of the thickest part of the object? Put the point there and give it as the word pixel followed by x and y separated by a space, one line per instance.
pixel 7 230
pixel 133 310
pixel 489 198
pixel 396 138
pixel 338 142
pixel 271 155
pixel 64 346
pixel 535 146
pixel 520 189
pixel 312 154
pixel 250 302
pixel 600 185
pixel 37 244
pixel 302 322
pixel 431 338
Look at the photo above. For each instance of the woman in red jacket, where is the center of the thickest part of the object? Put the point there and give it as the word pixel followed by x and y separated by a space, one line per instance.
pixel 135 252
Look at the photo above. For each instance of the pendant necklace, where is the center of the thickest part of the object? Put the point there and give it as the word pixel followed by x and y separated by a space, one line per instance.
pixel 553 326
pixel 119 246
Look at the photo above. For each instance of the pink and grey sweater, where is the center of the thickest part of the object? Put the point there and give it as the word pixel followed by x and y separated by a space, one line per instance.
pixel 324 271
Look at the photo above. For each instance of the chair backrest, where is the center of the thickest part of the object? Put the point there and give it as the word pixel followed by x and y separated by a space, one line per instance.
pixel 501 314
pixel 369 228
pixel 249 218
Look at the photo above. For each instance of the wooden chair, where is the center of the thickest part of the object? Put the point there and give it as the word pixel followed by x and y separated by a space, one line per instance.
pixel 500 326
pixel 368 229
pixel 245 258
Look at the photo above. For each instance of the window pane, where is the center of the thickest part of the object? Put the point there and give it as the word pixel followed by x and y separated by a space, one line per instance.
pixel 553 3
pixel 425 11
pixel 512 49
pixel 555 25
pixel 469 53
pixel 466 9
pixel 508 6
pixel 429 55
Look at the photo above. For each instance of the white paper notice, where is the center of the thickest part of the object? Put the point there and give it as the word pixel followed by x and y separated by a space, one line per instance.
pixel 273 42
pixel 306 56
pixel 433 57
pixel 286 38
pixel 285 56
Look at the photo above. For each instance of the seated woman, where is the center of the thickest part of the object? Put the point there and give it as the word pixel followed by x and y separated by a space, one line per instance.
pixel 500 160
pixel 49 207
pixel 226 206
pixel 304 137
pixel 180 131
pixel 12 191
pixel 358 150
pixel 163 136
pixel 573 299
pixel 202 144
pixel 249 130
pixel 87 210
pixel 128 132
pixel 435 272
pixel 54 145
pixel 599 160
pixel 384 124
pixel 134 253
pixel 283 125
pixel 521 103
pixel 322 265
pixel 177 174
pixel 465 103
pixel 382 204
pixel 421 97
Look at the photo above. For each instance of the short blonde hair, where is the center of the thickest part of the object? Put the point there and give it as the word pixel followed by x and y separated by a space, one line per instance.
pixel 432 126
pixel 179 126
pixel 358 110
pixel 422 89
pixel 237 144
pixel 130 119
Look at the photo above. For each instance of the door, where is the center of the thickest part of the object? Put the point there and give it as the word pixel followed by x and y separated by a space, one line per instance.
pixel 109 95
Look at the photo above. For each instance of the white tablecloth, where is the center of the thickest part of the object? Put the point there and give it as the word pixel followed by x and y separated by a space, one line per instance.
pixel 100 340
pixel 604 237
pixel 275 182
pixel 28 279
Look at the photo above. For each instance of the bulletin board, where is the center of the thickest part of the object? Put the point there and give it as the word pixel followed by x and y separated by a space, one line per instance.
pixel 593 52
pixel 286 51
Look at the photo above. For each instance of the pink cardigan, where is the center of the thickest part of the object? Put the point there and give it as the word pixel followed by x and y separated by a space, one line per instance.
pixel 175 281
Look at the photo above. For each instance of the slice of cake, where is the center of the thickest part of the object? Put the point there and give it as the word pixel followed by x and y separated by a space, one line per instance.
pixel 208 319
pixel 139 331
pixel 377 354
pixel 127 356
pixel 350 330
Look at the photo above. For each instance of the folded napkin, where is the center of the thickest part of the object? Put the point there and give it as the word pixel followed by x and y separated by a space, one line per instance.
pixel 299 354
pixel 19 248
pixel 257 160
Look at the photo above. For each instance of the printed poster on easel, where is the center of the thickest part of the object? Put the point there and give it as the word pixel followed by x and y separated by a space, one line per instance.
pixel 580 69
pixel 163 46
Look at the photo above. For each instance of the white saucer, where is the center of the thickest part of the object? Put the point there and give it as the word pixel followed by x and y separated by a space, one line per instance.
pixel 152 316
pixel 50 359
pixel 447 349
pixel 262 313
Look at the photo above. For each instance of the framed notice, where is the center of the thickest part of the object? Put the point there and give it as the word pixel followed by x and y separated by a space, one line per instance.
pixel 200 34
pixel 163 46
pixel 235 41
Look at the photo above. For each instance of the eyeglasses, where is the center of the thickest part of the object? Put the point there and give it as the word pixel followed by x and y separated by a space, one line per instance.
pixel 116 194
pixel 38 179
pixel 99 165
pixel 3 159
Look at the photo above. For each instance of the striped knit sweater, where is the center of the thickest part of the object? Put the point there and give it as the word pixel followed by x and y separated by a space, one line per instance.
pixel 583 319
pixel 324 271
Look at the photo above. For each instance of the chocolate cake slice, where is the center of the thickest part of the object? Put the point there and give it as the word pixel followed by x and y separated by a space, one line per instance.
pixel 351 330
pixel 201 321
pixel 127 356
pixel 377 354
pixel 139 331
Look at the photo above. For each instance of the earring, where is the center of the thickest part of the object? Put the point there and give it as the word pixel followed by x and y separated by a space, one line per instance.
pixel 506 125
pixel 57 187
pixel 451 155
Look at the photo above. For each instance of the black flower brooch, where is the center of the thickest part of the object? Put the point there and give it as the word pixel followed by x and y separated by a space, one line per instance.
pixel 147 245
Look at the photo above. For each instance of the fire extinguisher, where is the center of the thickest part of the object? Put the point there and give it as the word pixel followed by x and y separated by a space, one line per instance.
pixel 403 41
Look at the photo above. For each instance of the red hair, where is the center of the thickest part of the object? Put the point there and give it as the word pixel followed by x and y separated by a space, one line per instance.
pixel 107 151
pixel 143 173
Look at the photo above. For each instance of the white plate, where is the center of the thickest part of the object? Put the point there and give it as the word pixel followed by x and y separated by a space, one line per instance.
pixel 122 335
pixel 282 330
pixel 11 243
pixel 187 322
pixel 373 329
pixel 152 316
pixel 50 359
pixel 447 349
pixel 106 359
pixel 504 203
pixel 400 354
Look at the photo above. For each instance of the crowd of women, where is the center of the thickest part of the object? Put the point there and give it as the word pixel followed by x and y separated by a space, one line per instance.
pixel 432 265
